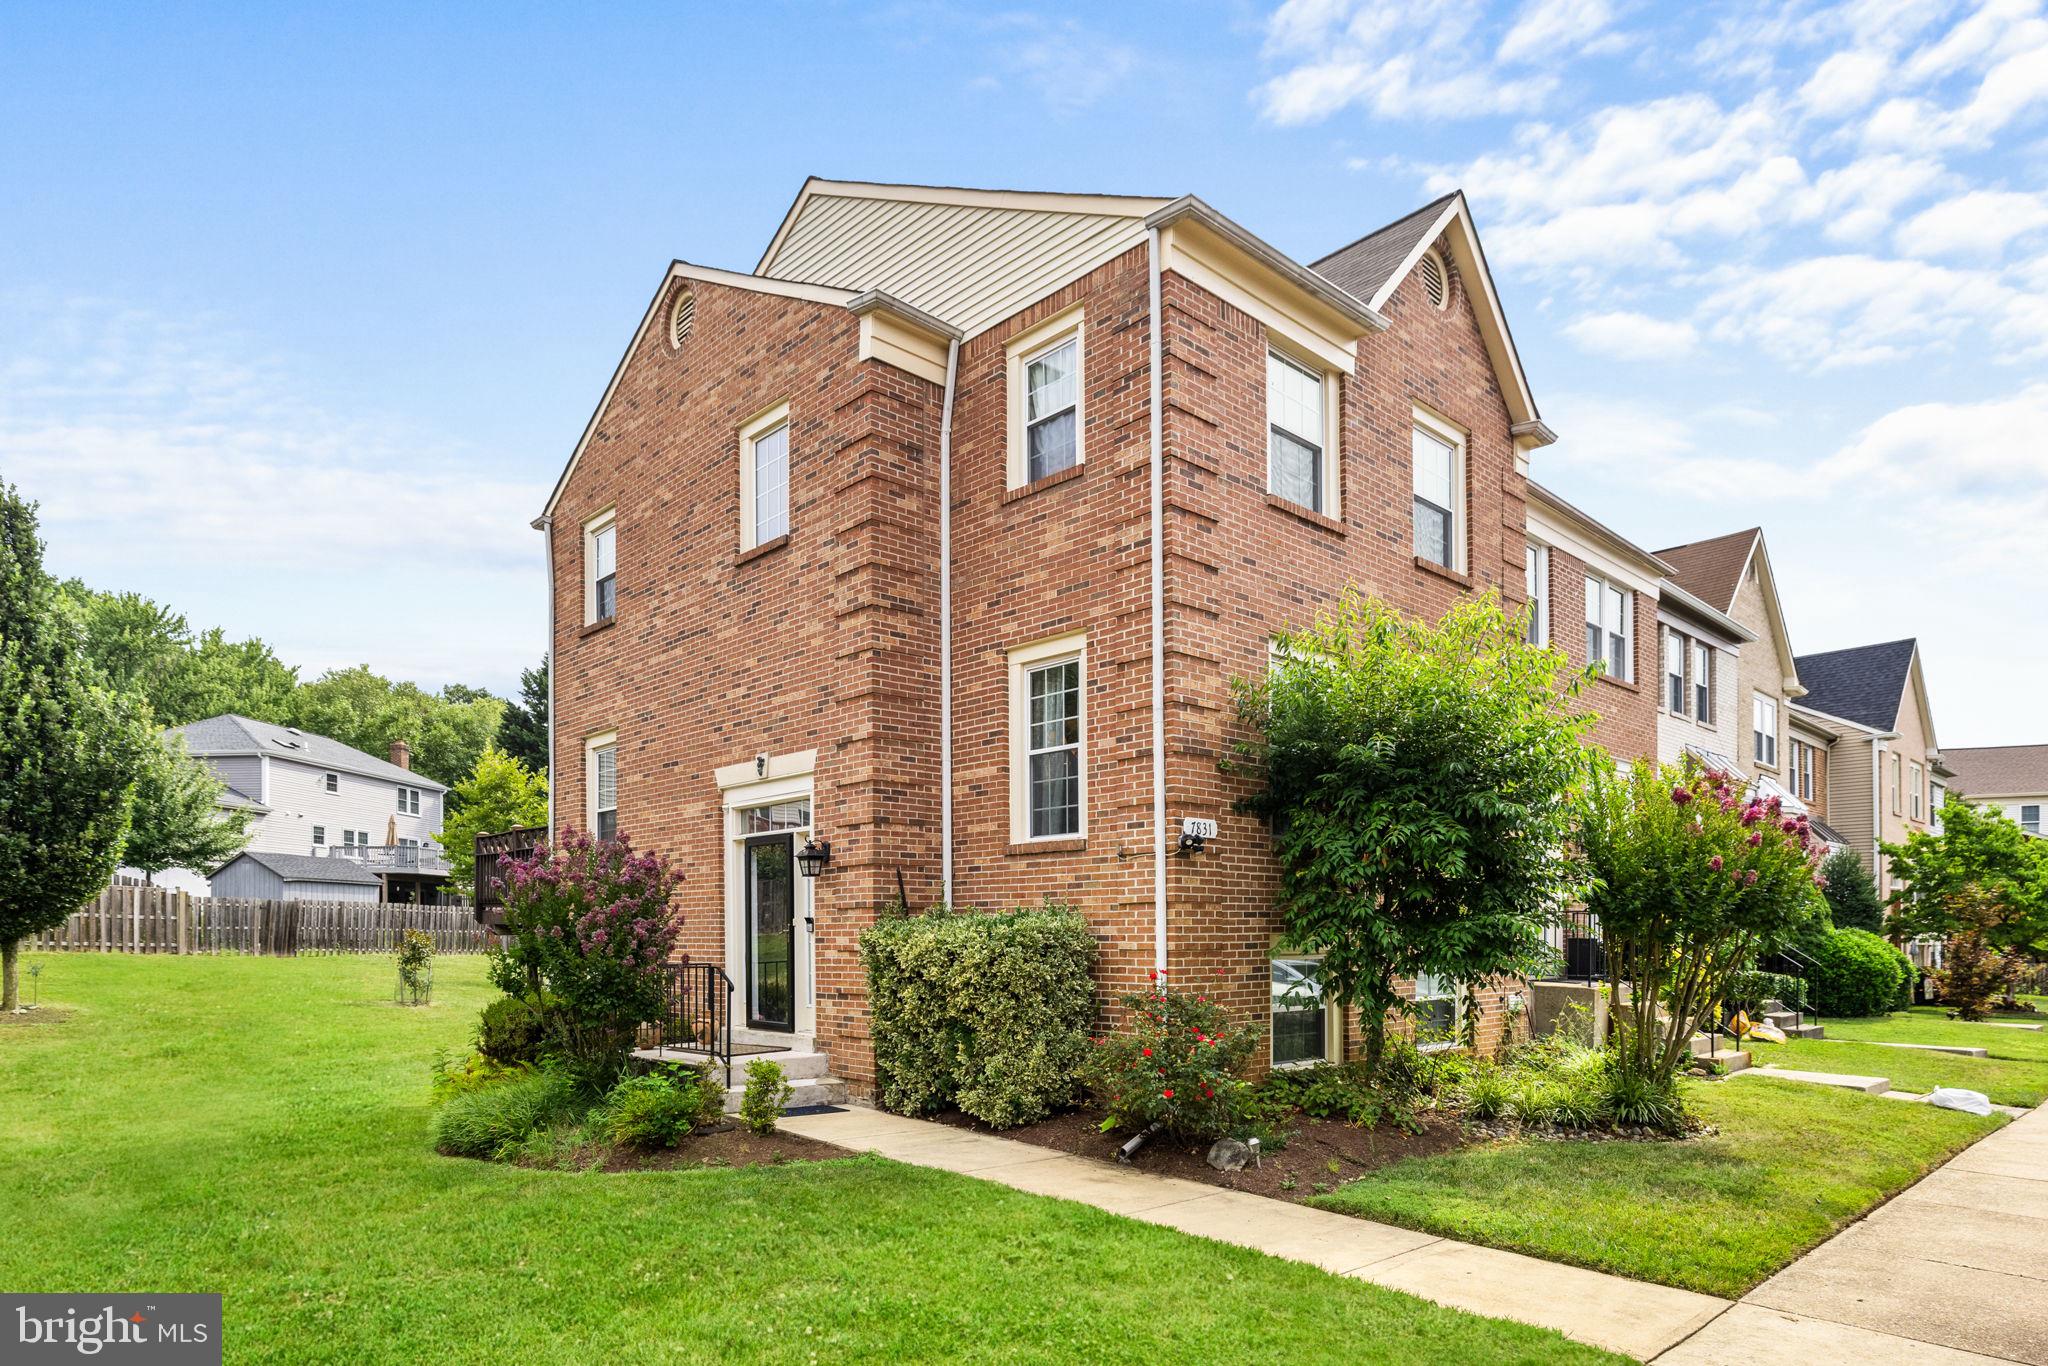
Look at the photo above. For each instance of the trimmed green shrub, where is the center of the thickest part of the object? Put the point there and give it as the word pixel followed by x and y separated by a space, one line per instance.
pixel 658 1109
pixel 767 1091
pixel 1855 972
pixel 494 1120
pixel 987 1012
pixel 1850 892
pixel 1747 992
pixel 511 1031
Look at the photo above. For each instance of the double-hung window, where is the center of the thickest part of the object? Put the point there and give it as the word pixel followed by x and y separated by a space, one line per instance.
pixel 1052 409
pixel 1296 437
pixel 601 784
pixel 1048 685
pixel 2030 818
pixel 319 834
pixel 1436 1006
pixel 1301 1018
pixel 332 782
pixel 1917 786
pixel 1763 724
pixel 1674 672
pixel 600 568
pixel 1610 613
pixel 764 478
pixel 1898 785
pixel 1438 484
pixel 1536 578
pixel 408 801
pixel 1703 683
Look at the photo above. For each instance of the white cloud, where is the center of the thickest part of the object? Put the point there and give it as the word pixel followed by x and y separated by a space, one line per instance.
pixel 1827 312
pixel 1980 223
pixel 1550 29
pixel 1860 199
pixel 1845 83
pixel 1633 336
pixel 1401 60
pixel 1650 446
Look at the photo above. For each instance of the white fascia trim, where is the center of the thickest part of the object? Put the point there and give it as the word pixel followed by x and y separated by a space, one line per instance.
pixel 1367 317
pixel 1720 621
pixel 881 301
pixel 1560 535
pixel 1863 731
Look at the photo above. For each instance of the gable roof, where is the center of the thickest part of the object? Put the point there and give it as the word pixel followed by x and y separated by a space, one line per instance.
pixel 1999 770
pixel 223 736
pixel 306 868
pixel 1711 570
pixel 1374 266
pixel 1865 683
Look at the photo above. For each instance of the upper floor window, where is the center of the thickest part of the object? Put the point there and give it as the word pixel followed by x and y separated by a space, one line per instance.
pixel 1674 672
pixel 1437 454
pixel 319 834
pixel 1046 399
pixel 764 478
pixel 1536 578
pixel 1898 786
pixel 601 784
pixel 408 801
pixel 1610 622
pixel 600 568
pixel 1703 683
pixel 1803 763
pixel 1297 432
pixel 332 782
pixel 1048 747
pixel 1763 723
pixel 1916 785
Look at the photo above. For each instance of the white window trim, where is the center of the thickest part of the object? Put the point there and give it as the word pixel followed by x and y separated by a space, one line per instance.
pixel 604 520
pixel 1682 643
pixel 1539 598
pixel 1020 352
pixel 1757 701
pixel 751 431
pixel 1457 1000
pixel 1916 777
pixel 1632 608
pixel 1022 660
pixel 1700 690
pixel 1333 1020
pixel 1445 430
pixel 1333 438
pixel 591 745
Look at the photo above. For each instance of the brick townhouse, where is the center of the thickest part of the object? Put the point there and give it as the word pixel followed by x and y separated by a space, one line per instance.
pixel 940 537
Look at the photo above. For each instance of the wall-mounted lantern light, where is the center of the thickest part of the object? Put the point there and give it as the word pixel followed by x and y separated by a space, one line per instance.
pixel 813 857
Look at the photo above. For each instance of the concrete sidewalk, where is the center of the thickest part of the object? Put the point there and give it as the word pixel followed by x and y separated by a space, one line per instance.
pixel 1953 1269
pixel 1608 1311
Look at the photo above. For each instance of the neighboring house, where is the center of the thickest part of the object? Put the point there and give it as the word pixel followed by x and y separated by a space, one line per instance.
pixel 1700 707
pixel 312 797
pixel 1885 772
pixel 2008 778
pixel 1595 596
pixel 941 538
pixel 296 877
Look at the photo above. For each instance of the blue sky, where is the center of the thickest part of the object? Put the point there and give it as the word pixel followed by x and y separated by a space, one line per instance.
pixel 301 314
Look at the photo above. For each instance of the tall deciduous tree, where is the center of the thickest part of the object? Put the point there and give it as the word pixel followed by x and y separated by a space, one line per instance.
pixel 147 649
pixel 1981 875
pixel 500 793
pixel 70 748
pixel 1418 781
pixel 446 731
pixel 178 819
pixel 523 733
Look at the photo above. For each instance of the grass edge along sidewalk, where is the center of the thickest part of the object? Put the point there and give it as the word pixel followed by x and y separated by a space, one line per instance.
pixel 259 1127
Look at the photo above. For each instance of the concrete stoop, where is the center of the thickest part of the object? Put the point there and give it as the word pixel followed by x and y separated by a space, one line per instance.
pixel 1792 1024
pixel 808 1070
pixel 1873 1086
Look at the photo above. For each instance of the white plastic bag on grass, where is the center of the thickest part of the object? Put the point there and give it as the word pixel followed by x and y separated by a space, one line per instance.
pixel 1954 1098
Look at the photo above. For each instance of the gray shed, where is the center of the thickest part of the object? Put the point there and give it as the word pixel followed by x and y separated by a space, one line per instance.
pixel 295 877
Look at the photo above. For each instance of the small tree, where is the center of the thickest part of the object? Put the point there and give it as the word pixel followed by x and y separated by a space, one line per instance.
pixel 178 820
pixel 1981 875
pixel 1417 778
pixel 69 752
pixel 499 794
pixel 1851 893
pixel 523 730
pixel 1692 879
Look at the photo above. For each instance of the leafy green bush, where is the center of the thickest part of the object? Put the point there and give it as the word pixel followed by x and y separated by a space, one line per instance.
pixel 472 1072
pixel 511 1030
pixel 658 1109
pixel 989 1012
pixel 1406 1069
pixel 1747 992
pixel 1487 1092
pixel 1851 894
pixel 767 1091
pixel 1855 972
pixel 493 1120
pixel 1181 1066
pixel 1631 1098
pixel 1336 1091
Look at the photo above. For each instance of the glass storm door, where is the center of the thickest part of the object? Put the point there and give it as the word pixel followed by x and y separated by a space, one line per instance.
pixel 769 870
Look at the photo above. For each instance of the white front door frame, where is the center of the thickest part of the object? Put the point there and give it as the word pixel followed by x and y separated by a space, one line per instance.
pixel 740 798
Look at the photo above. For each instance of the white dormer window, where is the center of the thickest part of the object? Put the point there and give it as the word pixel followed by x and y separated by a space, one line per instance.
pixel 764 478
pixel 601 567
pixel 1299 467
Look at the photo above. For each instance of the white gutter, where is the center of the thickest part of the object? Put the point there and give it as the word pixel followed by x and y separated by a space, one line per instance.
pixel 946 622
pixel 1158 613
pixel 547 529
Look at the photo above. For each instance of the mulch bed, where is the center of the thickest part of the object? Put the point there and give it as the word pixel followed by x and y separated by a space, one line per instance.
pixel 1320 1155
pixel 729 1146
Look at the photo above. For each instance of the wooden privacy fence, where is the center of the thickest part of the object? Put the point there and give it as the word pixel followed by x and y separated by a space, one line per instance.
pixel 132 918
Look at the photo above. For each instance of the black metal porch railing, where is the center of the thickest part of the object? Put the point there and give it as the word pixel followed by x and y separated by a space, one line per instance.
pixel 696 1013
pixel 1580 952
pixel 1790 962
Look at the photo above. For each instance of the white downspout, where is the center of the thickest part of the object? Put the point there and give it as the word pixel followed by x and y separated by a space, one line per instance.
pixel 547 529
pixel 1877 751
pixel 946 622
pixel 1158 614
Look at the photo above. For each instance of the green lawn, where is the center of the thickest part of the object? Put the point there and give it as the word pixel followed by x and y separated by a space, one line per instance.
pixel 1930 1024
pixel 2007 1081
pixel 1790 1165
pixel 259 1127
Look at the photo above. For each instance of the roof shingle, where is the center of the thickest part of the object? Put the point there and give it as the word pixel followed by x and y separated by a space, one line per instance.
pixel 306 868
pixel 1999 770
pixel 1864 684
pixel 1711 570
pixel 231 734
pixel 1365 266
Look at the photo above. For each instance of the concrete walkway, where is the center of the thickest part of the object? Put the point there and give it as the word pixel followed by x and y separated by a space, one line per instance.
pixel 1953 1269
pixel 1607 1311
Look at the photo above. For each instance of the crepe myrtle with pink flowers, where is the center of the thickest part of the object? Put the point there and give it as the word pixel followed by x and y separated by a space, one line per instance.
pixel 1692 877
pixel 588 927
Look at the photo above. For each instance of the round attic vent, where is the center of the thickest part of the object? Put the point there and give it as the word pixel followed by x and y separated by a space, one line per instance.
pixel 1436 281
pixel 682 319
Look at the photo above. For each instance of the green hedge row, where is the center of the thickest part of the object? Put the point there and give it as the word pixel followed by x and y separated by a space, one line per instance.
pixel 986 1012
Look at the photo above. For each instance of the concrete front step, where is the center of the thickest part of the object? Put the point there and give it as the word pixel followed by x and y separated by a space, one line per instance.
pixel 1874 1086
pixel 804 1092
pixel 1958 1049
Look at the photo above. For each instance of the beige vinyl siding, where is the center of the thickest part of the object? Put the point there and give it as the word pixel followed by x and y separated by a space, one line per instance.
pixel 1849 794
pixel 968 265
